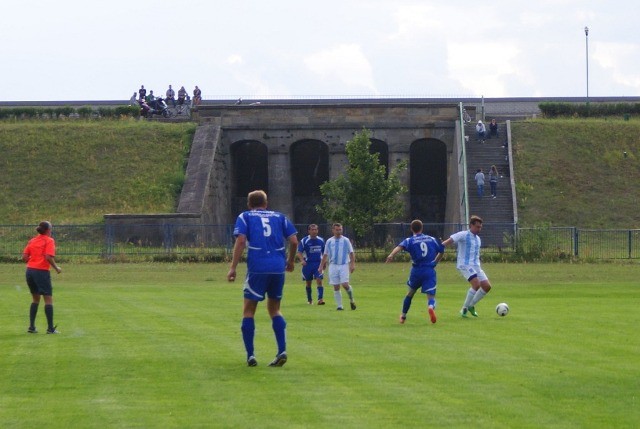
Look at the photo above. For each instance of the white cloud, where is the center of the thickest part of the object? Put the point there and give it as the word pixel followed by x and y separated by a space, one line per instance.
pixel 346 64
pixel 481 68
pixel 234 59
pixel 619 60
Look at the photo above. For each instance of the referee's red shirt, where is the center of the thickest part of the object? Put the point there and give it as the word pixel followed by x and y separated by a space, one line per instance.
pixel 37 248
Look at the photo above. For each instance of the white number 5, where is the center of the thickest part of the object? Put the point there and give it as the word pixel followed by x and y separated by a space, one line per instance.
pixel 266 226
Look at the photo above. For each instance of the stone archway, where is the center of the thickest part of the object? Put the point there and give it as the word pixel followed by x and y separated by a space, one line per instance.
pixel 249 171
pixel 309 169
pixel 382 149
pixel 428 180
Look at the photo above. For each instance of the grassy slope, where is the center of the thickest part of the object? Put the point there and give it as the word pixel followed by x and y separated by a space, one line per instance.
pixel 76 172
pixel 569 172
pixel 572 172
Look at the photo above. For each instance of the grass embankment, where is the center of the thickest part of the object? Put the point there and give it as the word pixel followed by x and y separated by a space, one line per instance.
pixel 75 172
pixel 569 172
pixel 574 172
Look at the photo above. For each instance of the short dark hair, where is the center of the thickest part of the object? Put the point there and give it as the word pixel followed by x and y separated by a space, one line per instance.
pixel 257 199
pixel 475 219
pixel 416 225
pixel 336 224
pixel 311 226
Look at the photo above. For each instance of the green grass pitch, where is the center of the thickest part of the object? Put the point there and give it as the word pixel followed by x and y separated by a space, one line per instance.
pixel 159 346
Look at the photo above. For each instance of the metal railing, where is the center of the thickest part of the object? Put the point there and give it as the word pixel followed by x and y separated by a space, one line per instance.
pixel 110 241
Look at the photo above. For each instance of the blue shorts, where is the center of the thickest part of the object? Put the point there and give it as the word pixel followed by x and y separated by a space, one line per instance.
pixel 424 278
pixel 259 285
pixel 39 282
pixel 310 271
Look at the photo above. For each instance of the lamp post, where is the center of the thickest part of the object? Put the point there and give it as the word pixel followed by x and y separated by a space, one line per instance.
pixel 586 38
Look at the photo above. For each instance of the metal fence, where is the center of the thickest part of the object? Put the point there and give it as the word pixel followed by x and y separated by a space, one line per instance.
pixel 110 241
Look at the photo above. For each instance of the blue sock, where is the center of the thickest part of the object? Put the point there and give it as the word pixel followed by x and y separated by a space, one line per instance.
pixel 308 289
pixel 248 330
pixel 406 304
pixel 431 302
pixel 279 324
pixel 320 292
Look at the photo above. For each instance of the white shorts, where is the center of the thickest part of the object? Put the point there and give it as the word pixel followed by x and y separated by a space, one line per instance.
pixel 338 274
pixel 469 271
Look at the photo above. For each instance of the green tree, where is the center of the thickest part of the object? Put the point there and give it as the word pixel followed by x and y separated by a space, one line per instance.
pixel 363 195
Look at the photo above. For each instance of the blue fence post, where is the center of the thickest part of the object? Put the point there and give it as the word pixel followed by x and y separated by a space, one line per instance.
pixel 630 238
pixel 576 243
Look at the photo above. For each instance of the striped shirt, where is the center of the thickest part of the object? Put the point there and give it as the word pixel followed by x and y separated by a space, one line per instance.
pixel 468 248
pixel 338 250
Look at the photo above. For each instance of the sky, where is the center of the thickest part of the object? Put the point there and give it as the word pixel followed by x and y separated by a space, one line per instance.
pixel 104 50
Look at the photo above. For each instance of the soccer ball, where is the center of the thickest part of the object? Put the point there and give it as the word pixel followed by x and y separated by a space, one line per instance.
pixel 502 309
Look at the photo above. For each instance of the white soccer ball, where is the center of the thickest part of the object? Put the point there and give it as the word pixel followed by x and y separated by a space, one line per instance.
pixel 502 309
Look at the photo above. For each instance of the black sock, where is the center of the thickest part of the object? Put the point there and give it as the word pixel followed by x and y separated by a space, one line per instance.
pixel 48 310
pixel 33 310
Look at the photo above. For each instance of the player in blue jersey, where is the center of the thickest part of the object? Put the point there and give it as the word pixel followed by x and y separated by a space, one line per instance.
pixel 310 250
pixel 425 252
pixel 338 251
pixel 265 234
pixel 468 265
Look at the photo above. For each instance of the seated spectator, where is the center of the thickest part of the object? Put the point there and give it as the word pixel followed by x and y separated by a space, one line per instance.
pixel 493 129
pixel 182 95
pixel 197 96
pixel 144 107
pixel 481 130
pixel 133 101
pixel 171 95
pixel 150 99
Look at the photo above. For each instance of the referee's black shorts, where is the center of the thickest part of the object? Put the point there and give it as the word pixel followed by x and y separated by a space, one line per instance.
pixel 39 282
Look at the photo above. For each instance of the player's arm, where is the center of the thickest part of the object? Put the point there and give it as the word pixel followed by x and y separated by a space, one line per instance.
pixel 323 263
pixel 448 242
pixel 238 248
pixel 300 258
pixel 293 247
pixel 52 261
pixel 393 253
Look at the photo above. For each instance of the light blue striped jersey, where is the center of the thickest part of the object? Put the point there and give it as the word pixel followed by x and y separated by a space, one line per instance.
pixel 468 248
pixel 338 250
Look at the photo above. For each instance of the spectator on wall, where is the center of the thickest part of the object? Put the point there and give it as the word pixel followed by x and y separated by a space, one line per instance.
pixel 493 129
pixel 481 131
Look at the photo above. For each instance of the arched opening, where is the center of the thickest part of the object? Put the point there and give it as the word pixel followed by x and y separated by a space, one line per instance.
pixel 428 180
pixel 381 148
pixel 250 171
pixel 309 169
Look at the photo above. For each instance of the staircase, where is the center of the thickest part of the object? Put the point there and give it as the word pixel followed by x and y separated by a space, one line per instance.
pixel 496 213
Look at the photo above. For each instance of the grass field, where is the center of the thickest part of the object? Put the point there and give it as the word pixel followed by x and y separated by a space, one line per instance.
pixel 159 345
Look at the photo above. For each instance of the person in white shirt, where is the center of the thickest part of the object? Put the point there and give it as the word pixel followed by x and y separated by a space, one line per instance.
pixel 338 251
pixel 468 264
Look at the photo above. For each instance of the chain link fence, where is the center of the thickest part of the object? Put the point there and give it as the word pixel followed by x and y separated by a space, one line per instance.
pixel 216 241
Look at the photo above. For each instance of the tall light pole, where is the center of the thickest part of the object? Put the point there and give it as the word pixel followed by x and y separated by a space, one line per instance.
pixel 586 38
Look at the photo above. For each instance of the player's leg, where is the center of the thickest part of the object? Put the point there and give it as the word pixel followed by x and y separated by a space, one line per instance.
pixel 254 292
pixel 35 302
pixel 278 323
pixel 248 329
pixel 429 288
pixel 483 288
pixel 349 290
pixel 320 288
pixel 334 280
pixel 471 275
pixel 406 303
pixel 308 290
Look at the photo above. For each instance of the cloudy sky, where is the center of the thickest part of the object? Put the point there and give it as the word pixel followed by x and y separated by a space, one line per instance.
pixel 104 50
